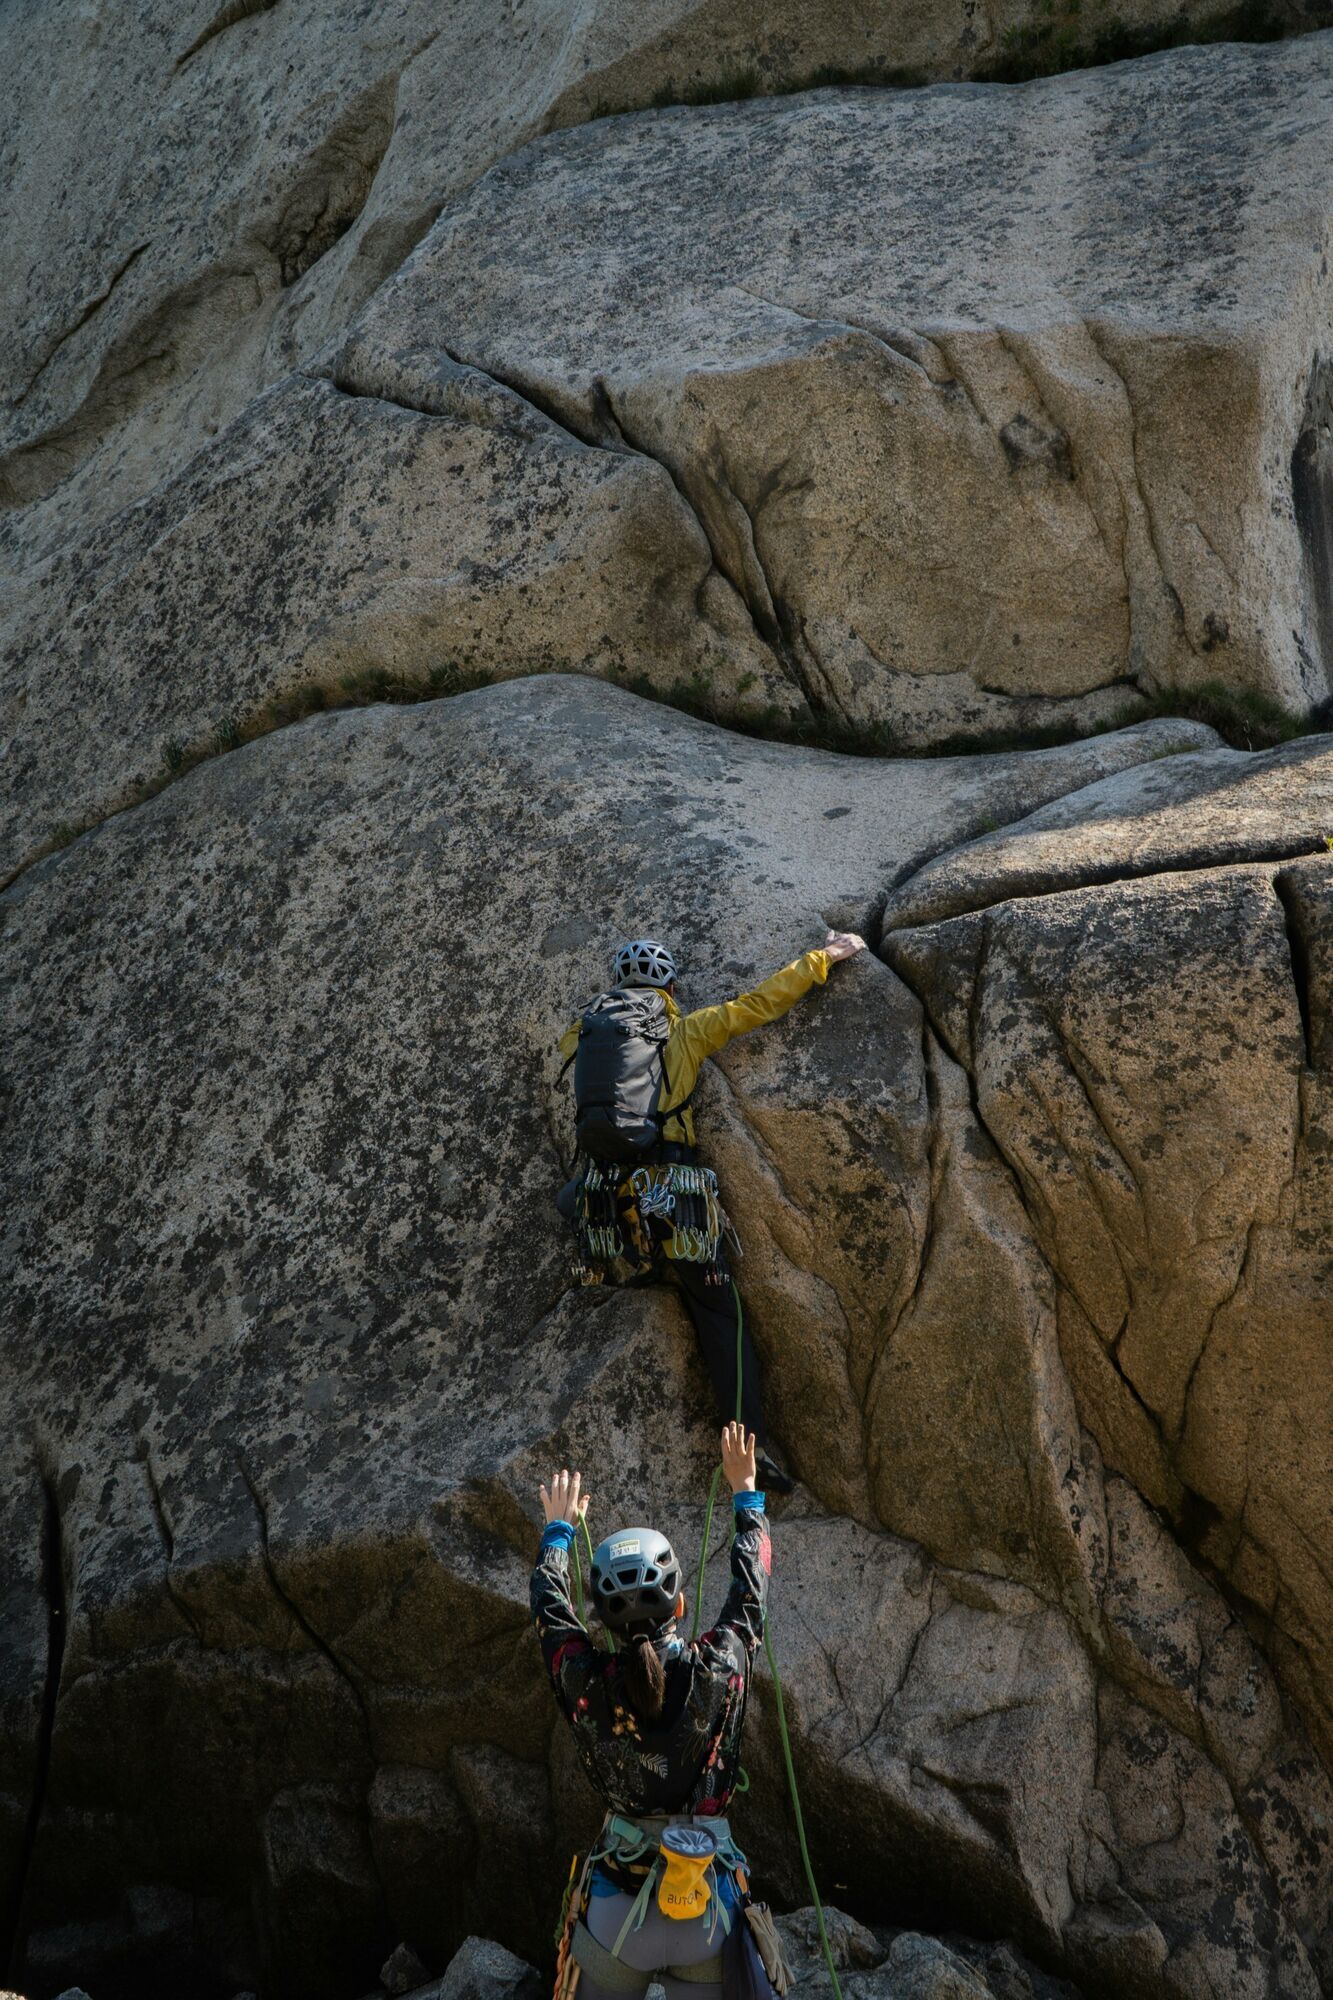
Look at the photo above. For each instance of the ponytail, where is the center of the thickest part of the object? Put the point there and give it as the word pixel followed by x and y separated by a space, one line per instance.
pixel 645 1681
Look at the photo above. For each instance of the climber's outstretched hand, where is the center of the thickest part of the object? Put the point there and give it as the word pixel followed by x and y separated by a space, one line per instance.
pixel 564 1502
pixel 843 944
pixel 738 1458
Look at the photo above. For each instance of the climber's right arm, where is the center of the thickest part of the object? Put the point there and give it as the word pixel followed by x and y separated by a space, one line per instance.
pixel 709 1029
pixel 740 1629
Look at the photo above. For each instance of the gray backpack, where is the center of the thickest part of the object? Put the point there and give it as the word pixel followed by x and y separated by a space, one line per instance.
pixel 620 1075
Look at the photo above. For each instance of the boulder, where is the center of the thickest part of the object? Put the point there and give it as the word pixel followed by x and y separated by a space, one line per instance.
pixel 482 1970
pixel 402 1970
pixel 907 1966
pixel 293 1339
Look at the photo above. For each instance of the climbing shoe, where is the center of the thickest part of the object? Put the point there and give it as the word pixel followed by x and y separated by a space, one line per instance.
pixel 770 1478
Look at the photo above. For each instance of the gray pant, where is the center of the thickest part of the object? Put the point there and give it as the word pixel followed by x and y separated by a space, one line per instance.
pixel 658 1943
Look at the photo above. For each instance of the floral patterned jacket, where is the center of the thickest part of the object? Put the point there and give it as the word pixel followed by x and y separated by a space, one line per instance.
pixel 689 1760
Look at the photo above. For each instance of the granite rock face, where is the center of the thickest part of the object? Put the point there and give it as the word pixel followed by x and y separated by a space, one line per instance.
pixel 353 350
pixel 912 414
pixel 293 1341
pixel 981 396
pixel 199 194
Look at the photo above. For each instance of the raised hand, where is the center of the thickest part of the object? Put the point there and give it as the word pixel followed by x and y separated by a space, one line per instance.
pixel 738 1457
pixel 564 1502
pixel 843 944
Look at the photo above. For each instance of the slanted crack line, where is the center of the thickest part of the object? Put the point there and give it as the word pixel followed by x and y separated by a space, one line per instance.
pixel 326 1652
pixel 93 306
pixel 1293 924
pixel 1092 877
pixel 289 1603
pixel 167 1536
pixel 1151 528
pixel 613 438
pixel 230 16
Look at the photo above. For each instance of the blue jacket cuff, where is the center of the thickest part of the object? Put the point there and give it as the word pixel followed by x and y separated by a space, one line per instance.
pixel 748 1503
pixel 559 1535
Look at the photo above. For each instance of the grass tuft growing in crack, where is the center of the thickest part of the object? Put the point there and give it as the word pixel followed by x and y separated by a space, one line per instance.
pixel 1242 717
pixel 1058 39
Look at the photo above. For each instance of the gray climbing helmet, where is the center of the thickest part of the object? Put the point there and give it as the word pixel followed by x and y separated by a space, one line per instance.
pixel 643 963
pixel 635 1579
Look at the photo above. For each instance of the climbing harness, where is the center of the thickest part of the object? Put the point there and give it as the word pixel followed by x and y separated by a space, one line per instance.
pixel 679 1856
pixel 672 1208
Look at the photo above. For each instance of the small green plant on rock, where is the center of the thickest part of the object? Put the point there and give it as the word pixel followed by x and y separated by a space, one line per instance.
pixel 1243 717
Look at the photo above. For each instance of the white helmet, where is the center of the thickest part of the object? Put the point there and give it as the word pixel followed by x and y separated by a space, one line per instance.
pixel 635 1579
pixel 643 963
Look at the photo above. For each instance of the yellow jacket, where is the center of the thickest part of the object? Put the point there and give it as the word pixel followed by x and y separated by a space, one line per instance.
pixel 694 1037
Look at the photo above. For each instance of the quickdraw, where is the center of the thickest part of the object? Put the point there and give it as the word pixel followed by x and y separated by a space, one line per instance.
pixel 673 1208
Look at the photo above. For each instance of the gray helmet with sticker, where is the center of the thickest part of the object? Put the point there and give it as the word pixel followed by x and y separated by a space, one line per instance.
pixel 643 963
pixel 635 1578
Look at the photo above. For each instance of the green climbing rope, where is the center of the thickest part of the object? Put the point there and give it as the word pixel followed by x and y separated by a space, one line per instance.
pixel 578 1580
pixel 703 1553
pixel 777 1683
pixel 799 1816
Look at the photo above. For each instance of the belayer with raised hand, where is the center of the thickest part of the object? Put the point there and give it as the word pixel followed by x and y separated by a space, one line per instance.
pixel 657 1724
pixel 643 1197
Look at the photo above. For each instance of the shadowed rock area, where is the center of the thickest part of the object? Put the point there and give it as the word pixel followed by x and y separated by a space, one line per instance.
pixel 293 1340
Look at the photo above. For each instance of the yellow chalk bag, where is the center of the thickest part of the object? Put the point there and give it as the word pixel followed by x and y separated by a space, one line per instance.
pixel 685 1887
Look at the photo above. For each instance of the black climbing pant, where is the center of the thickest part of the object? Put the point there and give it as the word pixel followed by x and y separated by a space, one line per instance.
pixel 712 1308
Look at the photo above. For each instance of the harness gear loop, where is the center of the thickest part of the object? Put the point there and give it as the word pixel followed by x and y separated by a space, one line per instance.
pixel 632 1844
pixel 671 1207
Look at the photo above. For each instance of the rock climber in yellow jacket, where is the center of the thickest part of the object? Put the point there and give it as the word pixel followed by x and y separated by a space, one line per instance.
pixel 643 1197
